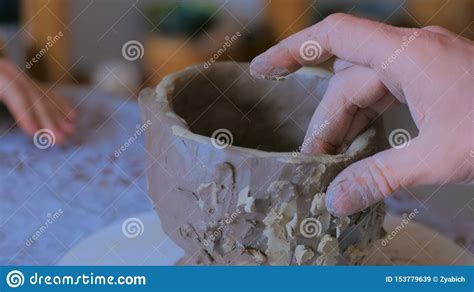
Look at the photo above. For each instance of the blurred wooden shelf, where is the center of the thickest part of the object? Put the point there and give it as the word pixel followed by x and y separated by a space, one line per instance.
pixel 165 55
pixel 42 20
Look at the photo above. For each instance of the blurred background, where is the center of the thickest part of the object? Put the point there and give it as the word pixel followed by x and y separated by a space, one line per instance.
pixel 171 35
pixel 122 46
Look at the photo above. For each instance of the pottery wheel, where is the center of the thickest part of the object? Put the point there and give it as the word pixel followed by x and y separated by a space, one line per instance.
pixel 415 244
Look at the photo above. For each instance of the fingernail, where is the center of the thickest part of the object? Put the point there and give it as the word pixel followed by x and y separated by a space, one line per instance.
pixel 59 136
pixel 278 73
pixel 262 70
pixel 331 197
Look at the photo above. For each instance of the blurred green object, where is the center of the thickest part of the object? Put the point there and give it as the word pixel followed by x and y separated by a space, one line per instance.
pixel 181 18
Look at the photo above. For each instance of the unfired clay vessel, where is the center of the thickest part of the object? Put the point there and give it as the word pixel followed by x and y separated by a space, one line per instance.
pixel 225 178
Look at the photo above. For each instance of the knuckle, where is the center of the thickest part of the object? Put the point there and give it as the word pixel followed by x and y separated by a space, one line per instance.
pixel 381 179
pixel 433 27
pixel 341 85
pixel 435 40
pixel 362 184
pixel 425 34
pixel 335 17
pixel 355 189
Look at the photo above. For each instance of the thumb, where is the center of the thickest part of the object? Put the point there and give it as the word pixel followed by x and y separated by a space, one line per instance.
pixel 368 181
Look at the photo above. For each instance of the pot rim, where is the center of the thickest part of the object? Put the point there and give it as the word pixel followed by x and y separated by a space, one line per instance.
pixel 179 126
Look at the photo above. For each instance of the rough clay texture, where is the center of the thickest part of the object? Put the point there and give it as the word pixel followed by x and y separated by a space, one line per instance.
pixel 255 202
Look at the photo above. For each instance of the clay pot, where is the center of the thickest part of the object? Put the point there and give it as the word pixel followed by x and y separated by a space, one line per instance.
pixel 226 178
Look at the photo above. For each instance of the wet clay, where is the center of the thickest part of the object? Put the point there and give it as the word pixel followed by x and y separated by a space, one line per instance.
pixel 254 201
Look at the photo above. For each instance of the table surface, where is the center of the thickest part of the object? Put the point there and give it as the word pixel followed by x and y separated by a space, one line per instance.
pixel 51 199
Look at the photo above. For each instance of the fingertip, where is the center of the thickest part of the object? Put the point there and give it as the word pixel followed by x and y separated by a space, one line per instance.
pixel 263 69
pixel 255 68
pixel 344 197
pixel 334 201
pixel 68 126
pixel 59 136
pixel 276 63
pixel 318 146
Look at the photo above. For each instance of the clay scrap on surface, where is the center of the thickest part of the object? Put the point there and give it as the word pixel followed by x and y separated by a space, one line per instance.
pixel 248 198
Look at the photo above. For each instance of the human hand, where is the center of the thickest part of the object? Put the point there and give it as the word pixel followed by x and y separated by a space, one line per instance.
pixel 430 69
pixel 32 107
